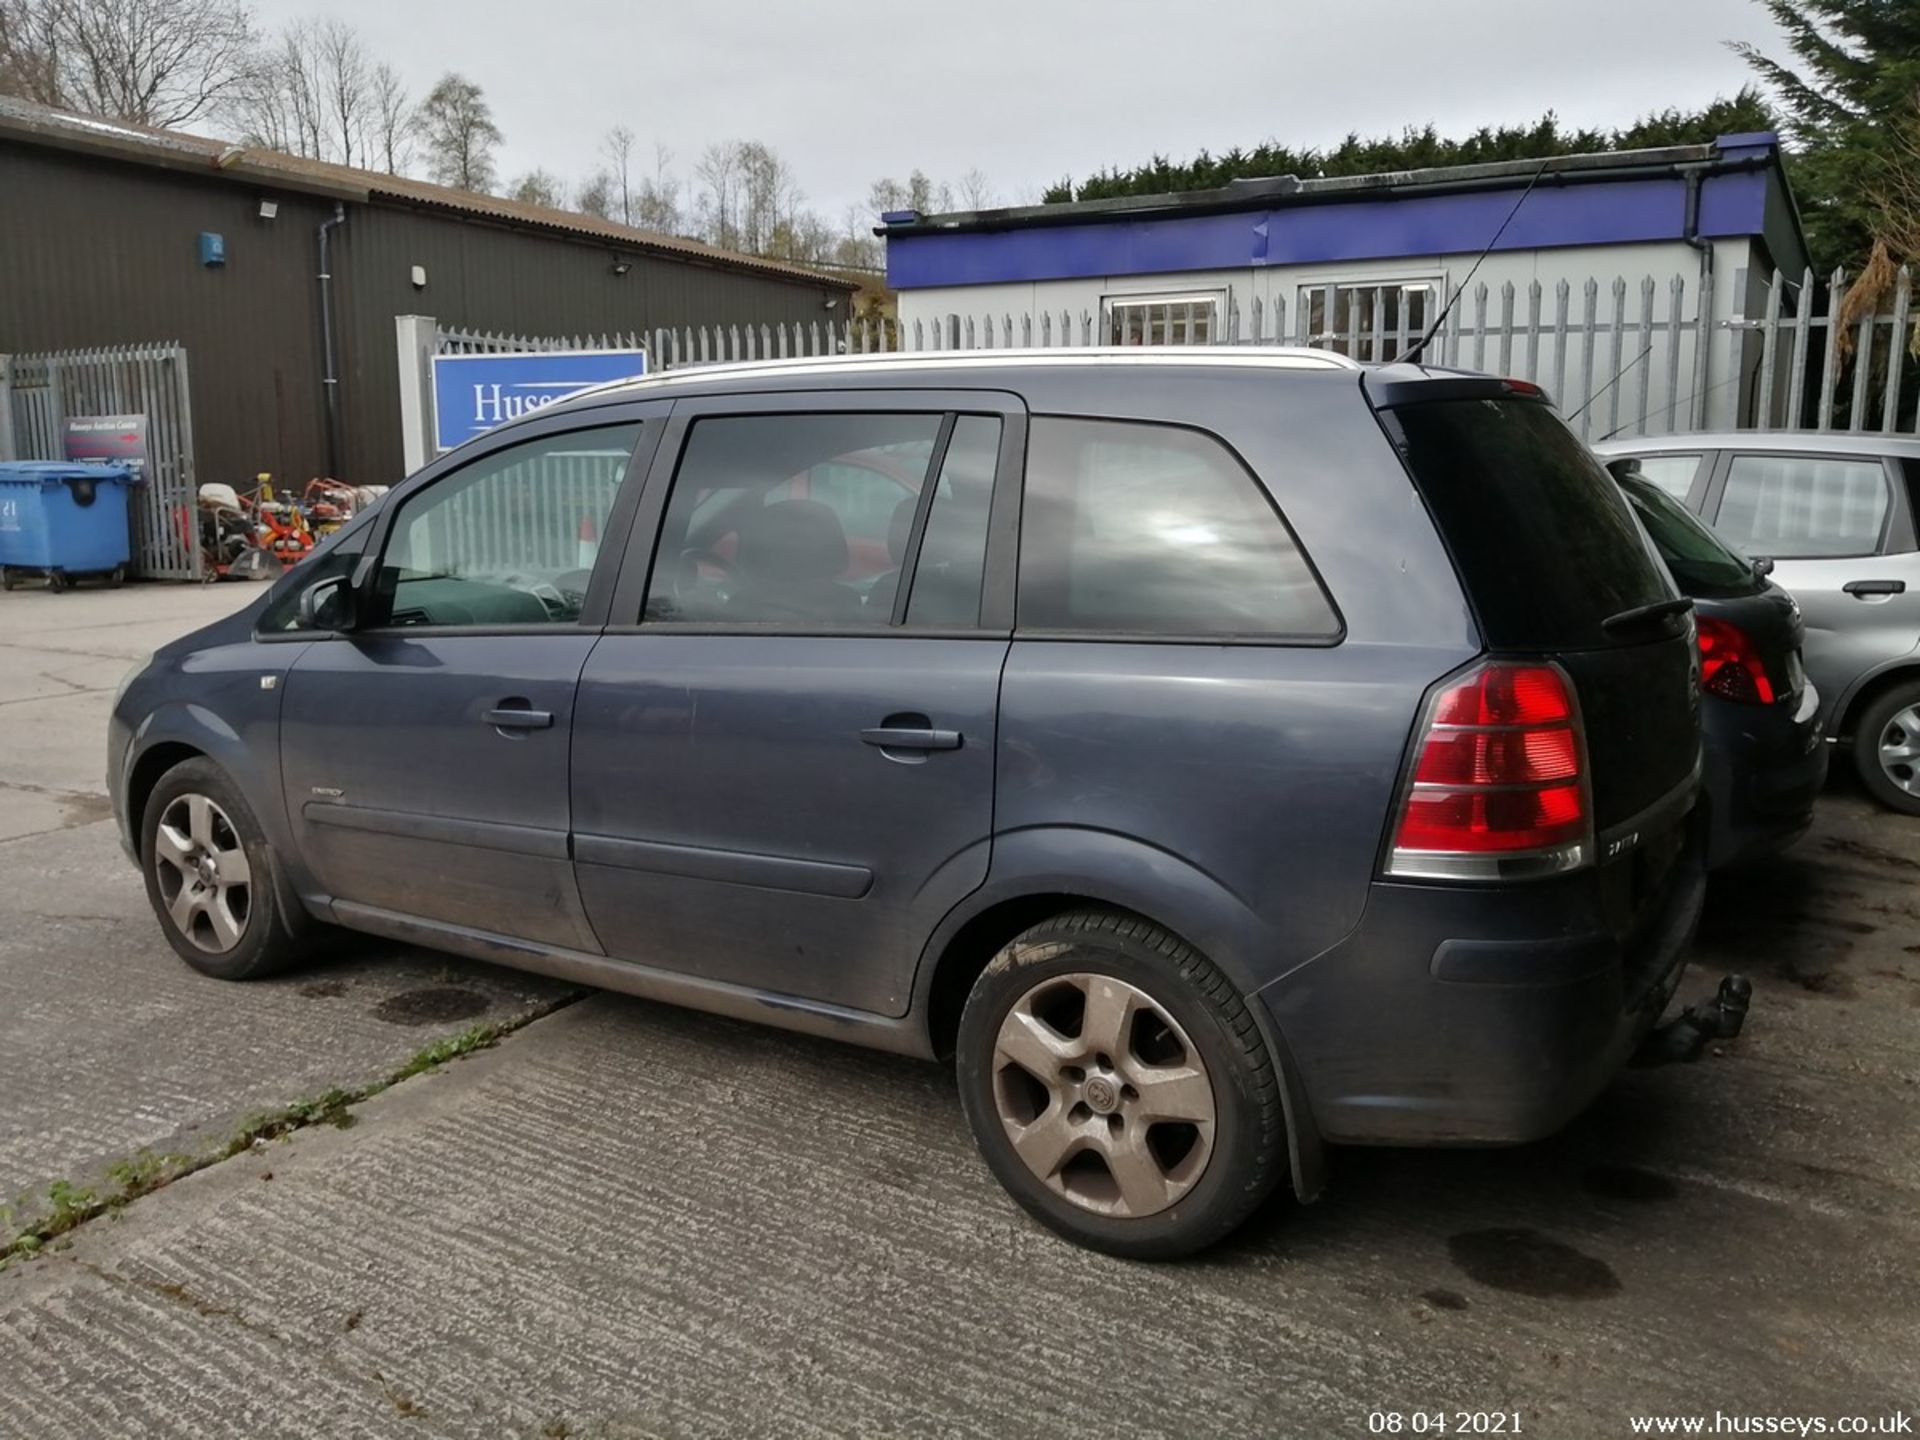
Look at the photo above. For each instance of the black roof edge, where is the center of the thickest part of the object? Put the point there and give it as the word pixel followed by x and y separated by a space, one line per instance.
pixel 1282 190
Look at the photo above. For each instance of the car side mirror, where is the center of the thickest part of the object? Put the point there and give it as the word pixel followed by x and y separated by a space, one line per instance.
pixel 326 605
pixel 1763 564
pixel 1622 466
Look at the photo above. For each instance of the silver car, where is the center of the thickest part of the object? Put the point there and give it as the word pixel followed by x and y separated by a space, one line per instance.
pixel 1836 513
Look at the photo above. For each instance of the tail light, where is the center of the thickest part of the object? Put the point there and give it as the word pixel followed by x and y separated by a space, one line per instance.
pixel 1730 664
pixel 1498 787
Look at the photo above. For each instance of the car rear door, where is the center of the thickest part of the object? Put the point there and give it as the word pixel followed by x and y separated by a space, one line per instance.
pixel 425 754
pixel 1840 531
pixel 783 750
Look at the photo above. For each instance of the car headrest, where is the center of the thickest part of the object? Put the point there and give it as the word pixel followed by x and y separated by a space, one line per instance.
pixel 792 540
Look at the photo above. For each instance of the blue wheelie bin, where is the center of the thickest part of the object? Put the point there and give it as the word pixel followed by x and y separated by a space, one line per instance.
pixel 63 520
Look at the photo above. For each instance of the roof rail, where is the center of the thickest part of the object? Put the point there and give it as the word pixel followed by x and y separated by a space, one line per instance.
pixel 1279 357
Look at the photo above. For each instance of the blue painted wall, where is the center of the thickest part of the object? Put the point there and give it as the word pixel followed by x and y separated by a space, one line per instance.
pixel 1620 211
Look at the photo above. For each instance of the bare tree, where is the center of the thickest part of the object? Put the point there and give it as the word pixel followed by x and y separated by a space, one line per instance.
pixel 977 192
pixel 280 102
pixel 618 148
pixel 392 125
pixel 458 128
pixel 29 45
pixel 657 204
pixel 538 187
pixel 153 62
pixel 346 98
pixel 717 200
pixel 595 196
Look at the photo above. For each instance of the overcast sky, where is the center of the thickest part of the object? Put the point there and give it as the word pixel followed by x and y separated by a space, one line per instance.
pixel 848 90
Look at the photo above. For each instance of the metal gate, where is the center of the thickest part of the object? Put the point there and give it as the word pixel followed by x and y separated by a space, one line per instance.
pixel 39 392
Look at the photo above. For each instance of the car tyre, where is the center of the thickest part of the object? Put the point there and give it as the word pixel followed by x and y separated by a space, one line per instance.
pixel 1118 1087
pixel 1886 748
pixel 211 879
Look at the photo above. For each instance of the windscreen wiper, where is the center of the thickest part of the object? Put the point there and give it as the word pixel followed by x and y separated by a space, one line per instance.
pixel 1640 614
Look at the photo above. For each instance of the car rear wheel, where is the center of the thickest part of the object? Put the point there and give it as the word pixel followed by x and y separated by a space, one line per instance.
pixel 209 876
pixel 1886 748
pixel 1118 1087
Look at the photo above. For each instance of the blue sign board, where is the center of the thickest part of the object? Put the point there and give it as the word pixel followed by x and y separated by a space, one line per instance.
pixel 474 393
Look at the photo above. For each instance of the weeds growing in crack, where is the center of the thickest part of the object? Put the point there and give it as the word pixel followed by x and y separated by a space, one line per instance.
pixel 68 1205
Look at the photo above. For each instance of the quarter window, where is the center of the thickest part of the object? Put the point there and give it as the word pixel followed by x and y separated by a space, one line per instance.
pixel 1671 473
pixel 1147 529
pixel 807 521
pixel 1804 506
pixel 510 539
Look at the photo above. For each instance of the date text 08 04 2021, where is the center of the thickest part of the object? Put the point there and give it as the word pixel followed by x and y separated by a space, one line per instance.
pixel 1443 1422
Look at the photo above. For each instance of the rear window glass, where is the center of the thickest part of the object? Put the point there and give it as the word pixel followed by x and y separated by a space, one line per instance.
pixel 1702 564
pixel 1541 535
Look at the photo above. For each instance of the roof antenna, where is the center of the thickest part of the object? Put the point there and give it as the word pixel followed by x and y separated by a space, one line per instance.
pixel 1618 376
pixel 1420 345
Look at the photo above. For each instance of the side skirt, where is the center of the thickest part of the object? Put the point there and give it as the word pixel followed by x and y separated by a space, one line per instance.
pixel 902 1036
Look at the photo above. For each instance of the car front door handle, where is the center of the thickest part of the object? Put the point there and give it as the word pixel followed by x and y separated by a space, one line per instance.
pixel 889 737
pixel 1875 587
pixel 518 718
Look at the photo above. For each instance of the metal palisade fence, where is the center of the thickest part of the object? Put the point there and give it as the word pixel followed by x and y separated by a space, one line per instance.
pixel 1620 356
pixel 40 392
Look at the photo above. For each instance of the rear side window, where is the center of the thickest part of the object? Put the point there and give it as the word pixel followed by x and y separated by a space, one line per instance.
pixel 1804 506
pixel 1131 528
pixel 1538 530
pixel 1702 564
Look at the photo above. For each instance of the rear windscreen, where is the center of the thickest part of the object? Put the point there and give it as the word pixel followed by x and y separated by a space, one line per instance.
pixel 1539 532
pixel 1701 563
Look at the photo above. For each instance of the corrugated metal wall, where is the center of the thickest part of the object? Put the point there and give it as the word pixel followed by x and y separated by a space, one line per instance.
pixel 98 252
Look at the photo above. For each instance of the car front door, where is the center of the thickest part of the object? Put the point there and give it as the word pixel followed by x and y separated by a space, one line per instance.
pixel 783 758
pixel 1841 536
pixel 424 753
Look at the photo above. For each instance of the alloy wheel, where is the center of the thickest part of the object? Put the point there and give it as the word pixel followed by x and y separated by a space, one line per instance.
pixel 201 865
pixel 1900 749
pixel 1103 1096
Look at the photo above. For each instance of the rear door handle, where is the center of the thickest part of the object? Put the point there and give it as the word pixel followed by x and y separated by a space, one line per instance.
pixel 891 738
pixel 1875 587
pixel 514 718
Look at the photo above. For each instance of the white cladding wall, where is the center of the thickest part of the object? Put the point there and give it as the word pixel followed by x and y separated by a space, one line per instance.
pixel 1734 289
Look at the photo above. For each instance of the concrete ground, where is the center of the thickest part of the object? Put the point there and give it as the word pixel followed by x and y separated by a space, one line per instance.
pixel 627 1220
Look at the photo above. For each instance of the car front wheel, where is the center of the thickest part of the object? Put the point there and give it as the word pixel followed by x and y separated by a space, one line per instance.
pixel 209 876
pixel 1119 1088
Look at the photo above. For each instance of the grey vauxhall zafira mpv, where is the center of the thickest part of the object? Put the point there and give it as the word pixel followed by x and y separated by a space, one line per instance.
pixel 1219 753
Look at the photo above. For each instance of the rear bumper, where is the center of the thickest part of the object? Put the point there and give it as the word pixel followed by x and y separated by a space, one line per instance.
pixel 1764 768
pixel 1455 1016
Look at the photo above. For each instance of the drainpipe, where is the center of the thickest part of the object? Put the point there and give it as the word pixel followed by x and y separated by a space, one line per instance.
pixel 1703 342
pixel 330 377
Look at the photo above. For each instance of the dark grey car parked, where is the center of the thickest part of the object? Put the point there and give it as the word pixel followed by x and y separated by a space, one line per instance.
pixel 1219 752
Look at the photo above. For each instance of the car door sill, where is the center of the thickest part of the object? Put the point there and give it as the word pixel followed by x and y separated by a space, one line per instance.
pixel 787 1012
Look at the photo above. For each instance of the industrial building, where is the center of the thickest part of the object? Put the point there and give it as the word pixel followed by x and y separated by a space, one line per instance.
pixel 282 278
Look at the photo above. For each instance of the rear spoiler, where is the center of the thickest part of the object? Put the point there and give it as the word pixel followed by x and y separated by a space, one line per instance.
pixel 1390 385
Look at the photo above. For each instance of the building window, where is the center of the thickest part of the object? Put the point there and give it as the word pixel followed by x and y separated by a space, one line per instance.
pixel 1377 321
pixel 1185 319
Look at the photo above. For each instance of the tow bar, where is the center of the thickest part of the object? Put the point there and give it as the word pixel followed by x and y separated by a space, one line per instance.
pixel 1686 1035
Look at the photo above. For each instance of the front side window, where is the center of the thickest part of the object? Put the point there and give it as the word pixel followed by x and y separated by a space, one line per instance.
pixel 1141 529
pixel 510 539
pixel 1804 506
pixel 805 521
